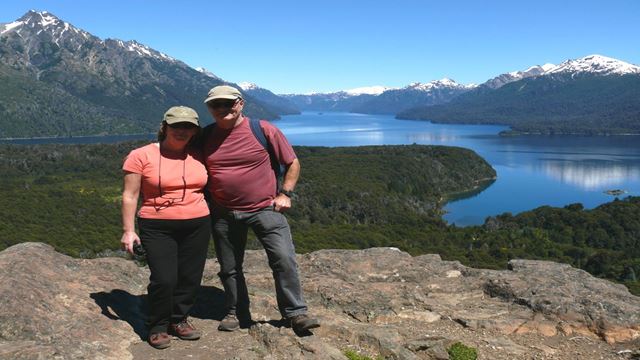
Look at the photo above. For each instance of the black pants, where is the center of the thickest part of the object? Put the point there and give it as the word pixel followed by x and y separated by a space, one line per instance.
pixel 176 254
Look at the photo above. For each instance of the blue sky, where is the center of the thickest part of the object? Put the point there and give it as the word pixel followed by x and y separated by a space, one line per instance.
pixel 328 45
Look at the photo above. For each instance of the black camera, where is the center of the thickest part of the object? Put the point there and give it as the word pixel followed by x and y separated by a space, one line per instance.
pixel 138 250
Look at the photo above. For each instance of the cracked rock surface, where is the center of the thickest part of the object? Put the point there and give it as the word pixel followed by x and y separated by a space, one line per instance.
pixel 378 302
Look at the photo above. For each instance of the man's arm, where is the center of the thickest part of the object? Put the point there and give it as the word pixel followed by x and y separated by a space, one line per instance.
pixel 282 202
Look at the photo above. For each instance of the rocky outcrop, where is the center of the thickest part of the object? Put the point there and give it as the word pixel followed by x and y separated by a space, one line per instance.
pixel 379 302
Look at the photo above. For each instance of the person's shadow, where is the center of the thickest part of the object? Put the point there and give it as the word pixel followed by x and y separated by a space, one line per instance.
pixel 121 305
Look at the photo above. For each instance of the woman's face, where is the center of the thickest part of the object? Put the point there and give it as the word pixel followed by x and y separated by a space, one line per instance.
pixel 181 133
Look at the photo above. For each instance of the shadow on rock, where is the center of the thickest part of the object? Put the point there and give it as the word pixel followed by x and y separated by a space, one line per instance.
pixel 209 304
pixel 121 305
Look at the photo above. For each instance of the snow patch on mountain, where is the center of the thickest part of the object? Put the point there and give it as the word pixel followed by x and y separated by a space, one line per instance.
pixel 437 84
pixel 207 72
pixel 369 90
pixel 10 26
pixel 143 50
pixel 595 64
pixel 248 86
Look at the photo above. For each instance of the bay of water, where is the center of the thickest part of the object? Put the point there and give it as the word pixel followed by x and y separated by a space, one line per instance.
pixel 532 170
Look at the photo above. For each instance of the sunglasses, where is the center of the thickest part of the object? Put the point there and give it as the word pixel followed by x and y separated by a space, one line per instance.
pixel 182 125
pixel 227 104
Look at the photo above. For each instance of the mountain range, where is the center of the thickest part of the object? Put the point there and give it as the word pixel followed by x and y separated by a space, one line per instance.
pixel 591 95
pixel 58 80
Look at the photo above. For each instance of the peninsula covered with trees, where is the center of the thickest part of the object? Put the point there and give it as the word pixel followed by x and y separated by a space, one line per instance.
pixel 356 197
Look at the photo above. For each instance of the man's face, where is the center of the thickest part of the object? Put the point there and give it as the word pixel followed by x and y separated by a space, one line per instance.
pixel 225 110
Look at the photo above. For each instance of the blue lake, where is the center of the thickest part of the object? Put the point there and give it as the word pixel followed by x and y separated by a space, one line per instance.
pixel 532 170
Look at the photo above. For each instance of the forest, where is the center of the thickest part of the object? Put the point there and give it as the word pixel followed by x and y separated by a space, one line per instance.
pixel 353 197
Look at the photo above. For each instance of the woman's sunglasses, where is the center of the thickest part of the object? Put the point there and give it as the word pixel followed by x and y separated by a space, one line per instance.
pixel 182 125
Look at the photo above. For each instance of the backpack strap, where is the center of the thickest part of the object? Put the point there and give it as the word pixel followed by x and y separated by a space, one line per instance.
pixel 258 132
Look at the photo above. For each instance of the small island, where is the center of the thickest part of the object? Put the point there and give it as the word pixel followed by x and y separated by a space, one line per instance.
pixel 615 192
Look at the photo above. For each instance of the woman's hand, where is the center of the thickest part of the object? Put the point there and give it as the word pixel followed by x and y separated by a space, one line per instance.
pixel 128 239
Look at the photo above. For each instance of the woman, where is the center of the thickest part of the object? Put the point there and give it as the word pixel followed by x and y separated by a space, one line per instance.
pixel 173 222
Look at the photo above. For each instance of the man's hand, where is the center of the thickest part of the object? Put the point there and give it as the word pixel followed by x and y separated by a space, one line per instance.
pixel 281 203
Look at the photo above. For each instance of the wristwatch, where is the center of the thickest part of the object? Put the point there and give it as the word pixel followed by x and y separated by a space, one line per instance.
pixel 287 193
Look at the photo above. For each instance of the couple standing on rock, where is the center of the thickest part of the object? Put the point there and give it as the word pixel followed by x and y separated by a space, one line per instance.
pixel 236 160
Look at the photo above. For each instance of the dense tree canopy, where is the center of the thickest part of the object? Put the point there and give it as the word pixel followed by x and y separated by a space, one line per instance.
pixel 357 197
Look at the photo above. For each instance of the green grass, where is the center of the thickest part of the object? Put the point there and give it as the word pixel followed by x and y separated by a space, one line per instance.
pixel 459 351
pixel 352 355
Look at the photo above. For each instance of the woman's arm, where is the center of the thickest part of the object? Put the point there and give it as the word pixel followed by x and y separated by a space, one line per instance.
pixel 130 196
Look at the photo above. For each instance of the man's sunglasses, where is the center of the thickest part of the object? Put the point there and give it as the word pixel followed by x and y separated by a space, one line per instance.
pixel 227 104
pixel 182 125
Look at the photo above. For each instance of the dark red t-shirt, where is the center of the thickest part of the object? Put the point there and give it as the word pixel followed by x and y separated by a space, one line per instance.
pixel 240 173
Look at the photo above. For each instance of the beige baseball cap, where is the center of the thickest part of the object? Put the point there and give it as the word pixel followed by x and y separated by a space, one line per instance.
pixel 178 114
pixel 223 92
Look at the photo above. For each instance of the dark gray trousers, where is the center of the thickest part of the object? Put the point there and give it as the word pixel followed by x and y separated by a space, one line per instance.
pixel 230 229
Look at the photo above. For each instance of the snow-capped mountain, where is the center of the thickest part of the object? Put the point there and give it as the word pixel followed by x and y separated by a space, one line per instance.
pixel 590 95
pixel 381 99
pixel 63 34
pixel 85 85
pixel 245 85
pixel 44 21
pixel 438 84
pixel 208 73
pixel 510 77
pixel 343 100
pixel 596 65
pixel 415 94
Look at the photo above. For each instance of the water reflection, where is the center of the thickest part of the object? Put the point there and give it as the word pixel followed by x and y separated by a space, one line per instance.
pixel 590 175
pixel 421 138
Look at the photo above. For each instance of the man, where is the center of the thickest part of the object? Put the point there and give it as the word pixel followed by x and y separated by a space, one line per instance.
pixel 245 194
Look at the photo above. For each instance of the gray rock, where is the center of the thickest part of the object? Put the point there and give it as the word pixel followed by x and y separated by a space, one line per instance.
pixel 381 302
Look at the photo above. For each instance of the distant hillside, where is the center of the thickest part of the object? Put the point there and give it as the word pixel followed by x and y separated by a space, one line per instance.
pixel 339 101
pixel 396 100
pixel 281 104
pixel 379 100
pixel 59 80
pixel 592 95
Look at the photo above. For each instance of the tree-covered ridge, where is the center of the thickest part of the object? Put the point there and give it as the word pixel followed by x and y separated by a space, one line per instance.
pixel 558 104
pixel 383 184
pixel 69 195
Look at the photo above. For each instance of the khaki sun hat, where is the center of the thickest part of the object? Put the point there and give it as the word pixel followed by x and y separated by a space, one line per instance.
pixel 178 114
pixel 223 92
